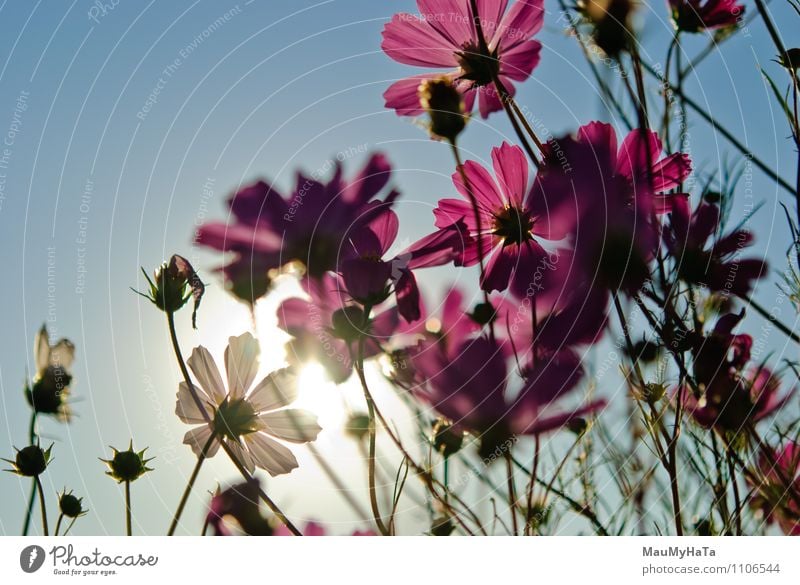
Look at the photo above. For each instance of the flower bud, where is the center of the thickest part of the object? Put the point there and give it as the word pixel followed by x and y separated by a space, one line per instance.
pixel 69 505
pixel 447 440
pixel 578 425
pixel 348 323
pixel 791 59
pixel 611 20
pixel 483 314
pixel 175 283
pixel 445 107
pixel 128 465
pixel 357 426
pixel 30 461
pixel 442 526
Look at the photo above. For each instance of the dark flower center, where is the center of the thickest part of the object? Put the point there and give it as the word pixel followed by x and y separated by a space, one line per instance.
pixel 477 66
pixel 513 225
pixel 235 418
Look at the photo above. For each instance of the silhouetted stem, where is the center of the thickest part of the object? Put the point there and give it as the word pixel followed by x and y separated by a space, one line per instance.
pixel 190 485
pixel 43 505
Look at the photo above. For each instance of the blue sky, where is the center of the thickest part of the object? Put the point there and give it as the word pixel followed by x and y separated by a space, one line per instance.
pixel 101 179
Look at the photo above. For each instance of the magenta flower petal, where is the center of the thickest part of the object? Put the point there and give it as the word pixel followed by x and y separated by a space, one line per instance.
pixel 403 95
pixel 483 186
pixel 639 150
pixel 520 61
pixel 522 21
pixel 511 169
pixel 411 40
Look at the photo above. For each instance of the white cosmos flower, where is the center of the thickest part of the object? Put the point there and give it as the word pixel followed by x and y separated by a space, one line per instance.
pixel 249 422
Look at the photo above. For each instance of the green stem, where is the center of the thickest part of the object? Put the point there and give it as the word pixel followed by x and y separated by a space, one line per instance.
pixel 58 524
pixel 190 485
pixel 43 505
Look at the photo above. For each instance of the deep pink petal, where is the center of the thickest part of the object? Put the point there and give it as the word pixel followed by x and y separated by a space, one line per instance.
pixel 519 62
pixel 499 268
pixel 511 170
pixel 603 140
pixel 637 155
pixel 671 171
pixel 521 22
pixel 482 184
pixel 450 211
pixel 411 40
pixel 452 19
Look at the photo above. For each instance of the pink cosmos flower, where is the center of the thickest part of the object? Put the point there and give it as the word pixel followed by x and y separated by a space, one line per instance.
pixel 511 221
pixel 326 327
pixel 444 36
pixel 778 501
pixel 369 279
pixel 732 395
pixel 269 230
pixel 697 15
pixel 620 191
pixel 471 389
pixel 731 401
pixel 715 265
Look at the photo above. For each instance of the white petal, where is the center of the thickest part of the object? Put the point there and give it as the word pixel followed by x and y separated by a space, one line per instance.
pixel 242 456
pixel 41 350
pixel 277 390
pixel 241 363
pixel 277 459
pixel 186 407
pixel 207 373
pixel 297 426
pixel 197 439
pixel 62 354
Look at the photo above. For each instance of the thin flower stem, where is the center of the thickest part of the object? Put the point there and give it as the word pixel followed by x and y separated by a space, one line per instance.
pixel 512 495
pixel 737 513
pixel 128 522
pixel 32 498
pixel 534 468
pixel 699 110
pixel 190 485
pixel 337 482
pixel 193 391
pixel 43 505
pixel 424 474
pixel 372 430
pixel 772 319
pixel 669 458
pixel 58 524
pixel 69 527
pixel 581 509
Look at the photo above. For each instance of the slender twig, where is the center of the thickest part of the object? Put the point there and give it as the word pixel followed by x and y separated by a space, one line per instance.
pixel 58 524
